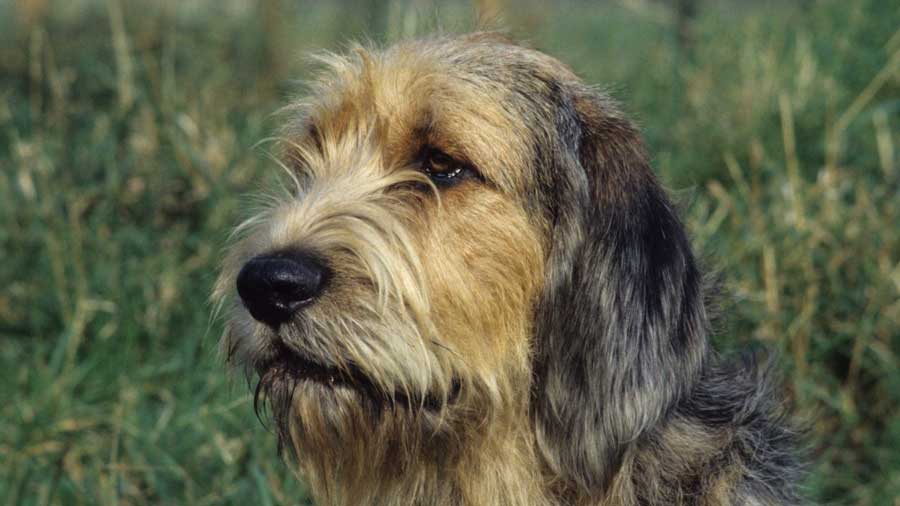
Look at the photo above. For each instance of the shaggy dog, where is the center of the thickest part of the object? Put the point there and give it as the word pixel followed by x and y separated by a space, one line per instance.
pixel 475 292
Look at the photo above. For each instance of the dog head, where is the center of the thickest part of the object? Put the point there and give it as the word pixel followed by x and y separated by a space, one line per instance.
pixel 472 249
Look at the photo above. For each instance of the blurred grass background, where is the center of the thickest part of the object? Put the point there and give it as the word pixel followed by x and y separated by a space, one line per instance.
pixel 127 138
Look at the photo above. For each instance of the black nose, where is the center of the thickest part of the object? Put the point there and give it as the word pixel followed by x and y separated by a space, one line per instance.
pixel 275 286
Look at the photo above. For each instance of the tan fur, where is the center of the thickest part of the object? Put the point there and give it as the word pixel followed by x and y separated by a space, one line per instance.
pixel 433 294
pixel 450 295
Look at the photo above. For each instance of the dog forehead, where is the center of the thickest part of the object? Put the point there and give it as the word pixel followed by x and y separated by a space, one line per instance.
pixel 482 100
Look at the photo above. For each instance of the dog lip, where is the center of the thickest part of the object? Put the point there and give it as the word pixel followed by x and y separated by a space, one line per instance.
pixel 297 366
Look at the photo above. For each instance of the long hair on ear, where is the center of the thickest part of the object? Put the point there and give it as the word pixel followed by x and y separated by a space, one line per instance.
pixel 621 327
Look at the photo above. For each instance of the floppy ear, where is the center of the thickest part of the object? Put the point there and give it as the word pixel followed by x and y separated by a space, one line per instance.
pixel 621 327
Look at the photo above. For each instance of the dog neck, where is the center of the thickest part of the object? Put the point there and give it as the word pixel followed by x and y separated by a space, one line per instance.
pixel 499 467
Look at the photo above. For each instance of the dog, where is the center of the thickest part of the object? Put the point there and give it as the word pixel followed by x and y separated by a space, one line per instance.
pixel 474 291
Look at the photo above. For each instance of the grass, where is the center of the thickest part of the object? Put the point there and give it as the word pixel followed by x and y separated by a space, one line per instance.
pixel 127 134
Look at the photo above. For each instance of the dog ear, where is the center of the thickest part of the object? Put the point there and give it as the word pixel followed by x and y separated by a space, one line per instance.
pixel 621 326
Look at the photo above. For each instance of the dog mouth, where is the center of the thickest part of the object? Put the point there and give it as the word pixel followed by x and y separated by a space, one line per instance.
pixel 288 364
pixel 290 367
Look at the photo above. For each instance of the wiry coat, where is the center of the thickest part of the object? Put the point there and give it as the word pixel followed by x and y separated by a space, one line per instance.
pixel 534 333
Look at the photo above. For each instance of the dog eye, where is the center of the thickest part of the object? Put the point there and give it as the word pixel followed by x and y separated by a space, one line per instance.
pixel 444 170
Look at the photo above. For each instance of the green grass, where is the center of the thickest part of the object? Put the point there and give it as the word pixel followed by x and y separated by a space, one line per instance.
pixel 127 135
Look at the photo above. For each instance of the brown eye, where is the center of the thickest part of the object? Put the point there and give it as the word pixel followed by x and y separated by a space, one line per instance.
pixel 444 169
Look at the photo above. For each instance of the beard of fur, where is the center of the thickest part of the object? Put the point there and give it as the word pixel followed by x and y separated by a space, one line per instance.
pixel 354 444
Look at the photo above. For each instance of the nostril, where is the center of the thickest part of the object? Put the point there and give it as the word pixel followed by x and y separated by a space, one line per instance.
pixel 275 286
